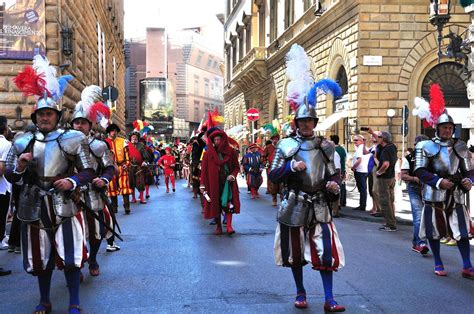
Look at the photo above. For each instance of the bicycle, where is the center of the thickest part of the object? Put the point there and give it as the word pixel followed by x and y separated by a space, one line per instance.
pixel 350 182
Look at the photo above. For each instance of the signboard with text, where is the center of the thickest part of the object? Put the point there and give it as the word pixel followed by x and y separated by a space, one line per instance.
pixel 22 29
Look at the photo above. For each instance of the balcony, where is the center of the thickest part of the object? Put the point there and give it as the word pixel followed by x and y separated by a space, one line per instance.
pixel 251 70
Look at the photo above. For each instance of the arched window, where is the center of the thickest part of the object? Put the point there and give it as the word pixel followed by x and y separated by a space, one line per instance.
pixel 450 76
pixel 452 79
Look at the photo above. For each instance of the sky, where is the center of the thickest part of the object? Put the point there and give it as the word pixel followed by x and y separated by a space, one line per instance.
pixel 174 15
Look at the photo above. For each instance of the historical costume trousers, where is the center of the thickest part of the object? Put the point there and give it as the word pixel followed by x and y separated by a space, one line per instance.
pixel 53 241
pixel 318 245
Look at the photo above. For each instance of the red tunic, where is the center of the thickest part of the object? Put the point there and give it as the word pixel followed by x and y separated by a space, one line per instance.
pixel 168 163
pixel 210 174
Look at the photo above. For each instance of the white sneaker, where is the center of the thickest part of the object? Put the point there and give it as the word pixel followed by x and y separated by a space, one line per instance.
pixel 112 248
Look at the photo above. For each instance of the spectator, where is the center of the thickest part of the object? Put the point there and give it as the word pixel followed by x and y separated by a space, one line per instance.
pixel 372 168
pixel 386 180
pixel 5 186
pixel 414 192
pixel 360 163
pixel 343 155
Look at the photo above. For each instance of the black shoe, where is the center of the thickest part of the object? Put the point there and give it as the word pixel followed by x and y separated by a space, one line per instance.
pixel 174 190
pixel 4 272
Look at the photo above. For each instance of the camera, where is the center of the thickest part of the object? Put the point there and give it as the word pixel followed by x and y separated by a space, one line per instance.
pixel 364 128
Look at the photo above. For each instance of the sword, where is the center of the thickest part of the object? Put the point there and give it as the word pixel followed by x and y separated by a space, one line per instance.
pixel 83 205
pixel 109 206
pixel 98 218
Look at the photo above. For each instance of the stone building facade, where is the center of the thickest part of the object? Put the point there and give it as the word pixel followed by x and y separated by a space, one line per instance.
pixel 97 55
pixel 382 53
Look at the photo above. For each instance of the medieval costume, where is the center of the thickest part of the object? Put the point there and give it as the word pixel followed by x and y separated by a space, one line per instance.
pixel 443 165
pixel 198 147
pixel 267 157
pixel 219 170
pixel 156 167
pixel 139 159
pixel 53 231
pixel 88 111
pixel 253 166
pixel 120 184
pixel 168 162
pixel 304 164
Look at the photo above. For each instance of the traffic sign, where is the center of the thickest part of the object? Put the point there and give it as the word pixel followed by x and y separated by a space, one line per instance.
pixel 110 93
pixel 253 114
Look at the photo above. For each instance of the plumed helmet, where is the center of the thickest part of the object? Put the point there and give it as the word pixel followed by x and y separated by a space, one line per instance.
pixel 79 113
pixel 306 111
pixel 45 102
pixel 445 118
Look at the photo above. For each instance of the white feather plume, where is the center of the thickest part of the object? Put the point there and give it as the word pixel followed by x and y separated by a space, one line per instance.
pixel 89 96
pixel 41 65
pixel 299 74
pixel 422 109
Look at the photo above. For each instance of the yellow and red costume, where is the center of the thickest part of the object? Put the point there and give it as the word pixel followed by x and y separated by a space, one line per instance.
pixel 120 185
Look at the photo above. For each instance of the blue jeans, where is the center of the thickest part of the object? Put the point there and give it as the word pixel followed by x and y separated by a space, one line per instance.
pixel 414 192
pixel 361 182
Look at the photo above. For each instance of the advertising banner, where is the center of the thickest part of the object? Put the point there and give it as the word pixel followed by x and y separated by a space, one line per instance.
pixel 22 29
pixel 156 106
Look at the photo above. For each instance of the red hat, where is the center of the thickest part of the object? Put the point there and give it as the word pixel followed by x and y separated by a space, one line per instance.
pixel 168 149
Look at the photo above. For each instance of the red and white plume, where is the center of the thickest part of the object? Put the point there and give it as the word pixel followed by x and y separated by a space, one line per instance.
pixel 298 71
pixel 430 112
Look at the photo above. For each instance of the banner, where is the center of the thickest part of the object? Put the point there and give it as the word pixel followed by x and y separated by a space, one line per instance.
pixel 155 105
pixel 22 29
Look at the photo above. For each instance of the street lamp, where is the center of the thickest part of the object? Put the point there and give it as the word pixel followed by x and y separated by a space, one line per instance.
pixel 439 16
pixel 390 114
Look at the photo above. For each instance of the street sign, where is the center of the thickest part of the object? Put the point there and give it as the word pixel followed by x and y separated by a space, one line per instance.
pixel 253 114
pixel 110 93
pixel 405 115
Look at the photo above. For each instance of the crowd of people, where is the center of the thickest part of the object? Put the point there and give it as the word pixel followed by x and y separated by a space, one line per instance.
pixel 61 185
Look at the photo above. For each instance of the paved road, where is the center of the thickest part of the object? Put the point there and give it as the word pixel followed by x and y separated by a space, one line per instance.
pixel 171 262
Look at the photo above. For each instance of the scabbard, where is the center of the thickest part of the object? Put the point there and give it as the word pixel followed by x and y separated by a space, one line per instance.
pixel 98 218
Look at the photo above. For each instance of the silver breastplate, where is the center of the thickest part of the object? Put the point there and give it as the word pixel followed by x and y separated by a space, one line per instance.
pixel 48 158
pixel 312 178
pixel 446 163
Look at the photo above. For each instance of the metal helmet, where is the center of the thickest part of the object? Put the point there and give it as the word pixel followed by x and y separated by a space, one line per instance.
pixel 79 113
pixel 45 103
pixel 306 111
pixel 445 118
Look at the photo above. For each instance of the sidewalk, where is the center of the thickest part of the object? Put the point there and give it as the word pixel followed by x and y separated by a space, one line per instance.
pixel 402 207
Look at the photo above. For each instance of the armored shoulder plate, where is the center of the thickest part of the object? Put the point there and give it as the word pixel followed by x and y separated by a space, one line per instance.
pixel 328 148
pixel 429 148
pixel 288 147
pixel 461 149
pixel 71 141
pixel 21 142
pixel 98 147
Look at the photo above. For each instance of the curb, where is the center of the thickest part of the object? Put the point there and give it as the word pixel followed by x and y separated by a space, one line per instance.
pixel 347 212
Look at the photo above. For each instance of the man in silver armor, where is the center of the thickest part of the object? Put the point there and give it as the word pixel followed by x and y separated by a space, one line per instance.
pixel 305 232
pixel 443 165
pixel 53 226
pixel 94 196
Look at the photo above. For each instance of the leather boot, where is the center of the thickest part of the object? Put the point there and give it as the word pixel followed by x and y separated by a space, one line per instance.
pixel 114 203
pixel 274 200
pixel 142 200
pixel 230 230
pixel 126 203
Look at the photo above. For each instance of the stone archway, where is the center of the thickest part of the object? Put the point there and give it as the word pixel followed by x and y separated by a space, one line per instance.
pixel 419 61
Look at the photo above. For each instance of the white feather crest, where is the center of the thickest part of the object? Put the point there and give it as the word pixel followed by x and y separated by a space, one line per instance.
pixel 422 109
pixel 42 66
pixel 299 74
pixel 89 96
